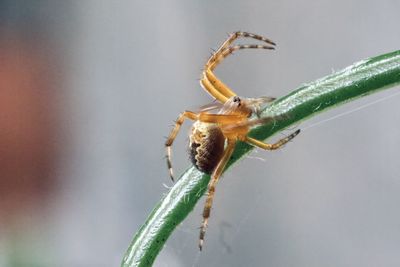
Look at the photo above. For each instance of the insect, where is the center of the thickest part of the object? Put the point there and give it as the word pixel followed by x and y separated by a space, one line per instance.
pixel 218 126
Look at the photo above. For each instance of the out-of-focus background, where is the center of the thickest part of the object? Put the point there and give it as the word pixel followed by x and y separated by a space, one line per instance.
pixel 89 89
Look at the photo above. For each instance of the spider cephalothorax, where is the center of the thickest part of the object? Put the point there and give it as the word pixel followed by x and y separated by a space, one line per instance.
pixel 220 125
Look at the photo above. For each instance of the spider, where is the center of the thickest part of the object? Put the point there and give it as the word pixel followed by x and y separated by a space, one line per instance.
pixel 214 134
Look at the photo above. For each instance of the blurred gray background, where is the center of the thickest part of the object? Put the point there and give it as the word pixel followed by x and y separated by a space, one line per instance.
pixel 113 77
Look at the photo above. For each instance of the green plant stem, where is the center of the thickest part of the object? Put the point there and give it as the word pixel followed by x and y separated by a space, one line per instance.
pixel 360 79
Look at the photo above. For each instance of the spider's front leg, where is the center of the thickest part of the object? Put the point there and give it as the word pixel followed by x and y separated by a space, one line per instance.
pixel 210 82
pixel 211 188
pixel 185 115
pixel 232 37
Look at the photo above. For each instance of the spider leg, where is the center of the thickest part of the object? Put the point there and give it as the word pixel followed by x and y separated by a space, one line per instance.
pixel 274 146
pixel 245 125
pixel 210 106
pixel 211 188
pixel 230 50
pixel 206 85
pixel 240 130
pixel 221 119
pixel 210 82
pixel 232 37
pixel 172 136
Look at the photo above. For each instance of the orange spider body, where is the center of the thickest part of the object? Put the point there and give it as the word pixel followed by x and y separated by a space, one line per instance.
pixel 214 135
pixel 207 140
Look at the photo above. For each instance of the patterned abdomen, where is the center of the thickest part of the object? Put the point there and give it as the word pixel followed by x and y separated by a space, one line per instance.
pixel 206 146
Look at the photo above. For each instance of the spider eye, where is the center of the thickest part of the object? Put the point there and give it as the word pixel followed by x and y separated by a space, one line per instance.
pixel 236 99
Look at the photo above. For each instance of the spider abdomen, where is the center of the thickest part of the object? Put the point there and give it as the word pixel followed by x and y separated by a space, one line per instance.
pixel 206 146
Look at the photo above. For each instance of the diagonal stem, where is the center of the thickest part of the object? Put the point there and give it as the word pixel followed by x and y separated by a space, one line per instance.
pixel 360 79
